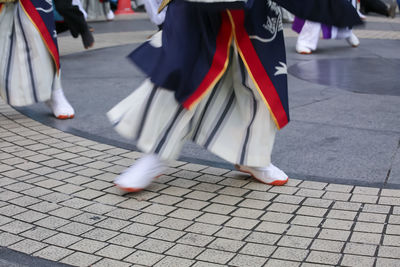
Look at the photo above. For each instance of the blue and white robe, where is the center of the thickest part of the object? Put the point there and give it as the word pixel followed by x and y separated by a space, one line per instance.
pixel 217 76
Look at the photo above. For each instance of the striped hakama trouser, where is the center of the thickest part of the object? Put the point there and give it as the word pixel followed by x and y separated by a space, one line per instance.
pixel 27 70
pixel 231 121
pixel 96 10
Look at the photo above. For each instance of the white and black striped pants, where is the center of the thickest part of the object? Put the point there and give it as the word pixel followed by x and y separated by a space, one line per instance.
pixel 27 71
pixel 232 121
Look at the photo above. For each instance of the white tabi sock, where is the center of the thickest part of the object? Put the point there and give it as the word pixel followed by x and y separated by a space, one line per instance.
pixel 60 106
pixel 141 173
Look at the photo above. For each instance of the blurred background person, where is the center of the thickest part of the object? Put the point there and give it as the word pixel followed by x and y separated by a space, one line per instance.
pixel 309 34
pixel 379 7
pixel 138 5
pixel 71 16
pixel 98 10
pixel 29 59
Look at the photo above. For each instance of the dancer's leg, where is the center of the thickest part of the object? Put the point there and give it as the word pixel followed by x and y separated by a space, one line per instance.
pixel 347 34
pixel 75 20
pixel 232 122
pixel 58 103
pixel 308 37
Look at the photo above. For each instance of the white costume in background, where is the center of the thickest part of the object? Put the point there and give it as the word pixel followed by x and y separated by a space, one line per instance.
pixel 309 34
pixel 28 72
pixel 97 10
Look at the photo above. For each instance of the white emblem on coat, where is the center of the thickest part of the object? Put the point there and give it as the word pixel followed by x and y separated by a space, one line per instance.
pixel 49 9
pixel 281 69
pixel 272 25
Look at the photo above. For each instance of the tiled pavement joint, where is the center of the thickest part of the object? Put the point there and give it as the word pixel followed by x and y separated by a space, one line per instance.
pixel 351 229
pixel 391 165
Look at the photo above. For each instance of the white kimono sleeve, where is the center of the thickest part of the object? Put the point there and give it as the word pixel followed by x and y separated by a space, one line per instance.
pixel 152 11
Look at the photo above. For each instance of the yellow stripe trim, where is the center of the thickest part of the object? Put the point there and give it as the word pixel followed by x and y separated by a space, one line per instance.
pixel 218 76
pixel 251 75
pixel 164 3
pixel 44 41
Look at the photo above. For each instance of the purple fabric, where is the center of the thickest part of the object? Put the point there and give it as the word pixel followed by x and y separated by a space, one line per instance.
pixel 326 31
pixel 298 24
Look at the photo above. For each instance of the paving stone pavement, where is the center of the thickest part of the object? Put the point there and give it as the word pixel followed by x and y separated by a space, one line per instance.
pixel 57 202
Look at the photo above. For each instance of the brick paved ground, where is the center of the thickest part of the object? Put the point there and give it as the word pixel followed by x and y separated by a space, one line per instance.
pixel 57 202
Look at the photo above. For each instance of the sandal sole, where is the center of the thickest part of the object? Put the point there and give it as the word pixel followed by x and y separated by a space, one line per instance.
pixel 65 117
pixel 133 189
pixel 129 189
